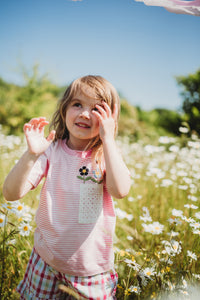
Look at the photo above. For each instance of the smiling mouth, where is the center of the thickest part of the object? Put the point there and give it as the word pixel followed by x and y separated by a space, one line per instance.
pixel 82 125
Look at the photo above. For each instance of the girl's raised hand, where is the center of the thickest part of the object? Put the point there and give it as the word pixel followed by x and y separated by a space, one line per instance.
pixel 34 132
pixel 107 120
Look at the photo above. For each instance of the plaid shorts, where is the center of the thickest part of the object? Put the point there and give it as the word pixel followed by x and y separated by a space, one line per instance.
pixel 43 282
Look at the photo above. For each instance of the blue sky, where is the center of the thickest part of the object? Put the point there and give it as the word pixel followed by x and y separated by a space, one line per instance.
pixel 138 48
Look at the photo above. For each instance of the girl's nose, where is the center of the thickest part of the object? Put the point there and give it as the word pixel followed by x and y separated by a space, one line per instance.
pixel 85 114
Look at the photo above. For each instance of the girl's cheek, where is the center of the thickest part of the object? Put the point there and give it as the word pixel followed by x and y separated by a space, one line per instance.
pixel 95 118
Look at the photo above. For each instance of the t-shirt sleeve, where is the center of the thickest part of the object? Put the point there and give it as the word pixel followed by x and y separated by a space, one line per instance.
pixel 39 170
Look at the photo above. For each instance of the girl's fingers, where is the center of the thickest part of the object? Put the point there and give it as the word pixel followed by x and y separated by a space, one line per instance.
pixel 51 136
pixel 107 108
pixel 42 124
pixel 98 115
pixel 115 112
pixel 26 127
pixel 104 111
pixel 36 123
pixel 101 111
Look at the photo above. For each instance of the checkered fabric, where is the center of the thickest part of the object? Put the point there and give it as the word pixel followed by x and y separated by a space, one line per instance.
pixel 43 282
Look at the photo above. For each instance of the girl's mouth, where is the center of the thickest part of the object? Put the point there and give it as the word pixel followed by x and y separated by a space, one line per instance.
pixel 82 125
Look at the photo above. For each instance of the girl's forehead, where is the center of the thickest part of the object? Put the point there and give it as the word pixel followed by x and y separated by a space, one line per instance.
pixel 87 94
pixel 87 91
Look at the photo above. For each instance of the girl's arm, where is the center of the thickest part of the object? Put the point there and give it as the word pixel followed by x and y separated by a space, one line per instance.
pixel 16 184
pixel 118 179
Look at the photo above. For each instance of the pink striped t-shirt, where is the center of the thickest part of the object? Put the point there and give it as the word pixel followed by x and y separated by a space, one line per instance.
pixel 75 218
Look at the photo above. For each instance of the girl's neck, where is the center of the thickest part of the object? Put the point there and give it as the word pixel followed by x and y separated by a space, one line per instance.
pixel 77 147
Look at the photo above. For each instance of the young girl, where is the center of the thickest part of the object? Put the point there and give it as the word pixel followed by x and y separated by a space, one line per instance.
pixel 73 242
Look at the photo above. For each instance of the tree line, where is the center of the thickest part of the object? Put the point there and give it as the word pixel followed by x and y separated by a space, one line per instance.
pixel 38 97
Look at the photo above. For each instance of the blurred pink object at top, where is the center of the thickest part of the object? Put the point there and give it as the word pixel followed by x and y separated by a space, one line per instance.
pixel 176 6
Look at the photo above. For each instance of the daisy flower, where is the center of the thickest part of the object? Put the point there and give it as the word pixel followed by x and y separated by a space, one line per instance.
pixel 193 198
pixel 19 208
pixel 191 206
pixel 174 220
pixel 9 207
pixel 148 272
pixel 177 213
pixel 183 129
pixel 197 215
pixel 173 233
pixel 132 264
pixel 176 246
pixel 174 148
pixel 24 229
pixel 166 182
pixel 172 248
pixel 146 215
pixel 135 289
pixel 182 187
pixel 121 214
pixel 188 220
pixel 154 228
pixel 191 254
pixel 2 220
pixel 131 199
pixel 195 225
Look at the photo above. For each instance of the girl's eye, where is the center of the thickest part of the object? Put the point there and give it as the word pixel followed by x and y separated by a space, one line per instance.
pixel 95 109
pixel 77 104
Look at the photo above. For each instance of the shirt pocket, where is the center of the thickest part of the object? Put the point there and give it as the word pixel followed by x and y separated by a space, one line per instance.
pixel 90 202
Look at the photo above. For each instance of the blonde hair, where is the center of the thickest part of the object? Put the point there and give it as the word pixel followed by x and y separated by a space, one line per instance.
pixel 103 90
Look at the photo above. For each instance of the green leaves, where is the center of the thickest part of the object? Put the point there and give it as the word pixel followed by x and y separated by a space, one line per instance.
pixel 89 178
pixel 18 104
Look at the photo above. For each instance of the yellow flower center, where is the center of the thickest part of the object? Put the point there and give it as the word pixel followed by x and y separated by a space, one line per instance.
pixel 1 220
pixel 148 273
pixel 9 207
pixel 135 289
pixel 25 228
pixel 84 171
pixel 20 207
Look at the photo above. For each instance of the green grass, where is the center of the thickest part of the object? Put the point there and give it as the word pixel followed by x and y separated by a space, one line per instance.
pixel 150 260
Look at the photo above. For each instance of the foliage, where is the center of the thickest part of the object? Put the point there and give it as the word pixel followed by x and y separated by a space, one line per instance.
pixel 128 122
pixel 149 125
pixel 164 120
pixel 190 85
pixel 18 104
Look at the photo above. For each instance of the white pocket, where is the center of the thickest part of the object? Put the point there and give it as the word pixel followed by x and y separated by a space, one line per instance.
pixel 90 203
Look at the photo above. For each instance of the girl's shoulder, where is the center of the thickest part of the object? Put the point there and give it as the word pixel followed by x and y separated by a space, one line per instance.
pixel 54 147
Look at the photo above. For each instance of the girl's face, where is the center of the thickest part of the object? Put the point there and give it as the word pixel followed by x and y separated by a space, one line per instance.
pixel 81 123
